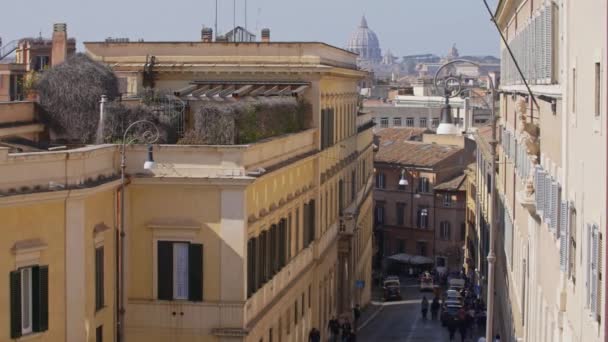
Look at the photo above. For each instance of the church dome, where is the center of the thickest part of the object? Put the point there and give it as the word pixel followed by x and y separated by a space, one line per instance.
pixel 365 43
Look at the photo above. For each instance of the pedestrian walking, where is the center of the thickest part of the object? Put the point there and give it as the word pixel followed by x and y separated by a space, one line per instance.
pixel 334 329
pixel 314 335
pixel 424 307
pixel 451 323
pixel 356 315
pixel 434 308
pixel 346 330
pixel 497 339
pixel 462 329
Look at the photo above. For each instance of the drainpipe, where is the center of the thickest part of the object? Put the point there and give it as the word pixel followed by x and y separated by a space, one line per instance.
pixel 492 216
pixel 606 193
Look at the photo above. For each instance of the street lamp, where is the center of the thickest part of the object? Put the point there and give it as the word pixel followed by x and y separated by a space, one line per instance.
pixel 149 137
pixel 403 181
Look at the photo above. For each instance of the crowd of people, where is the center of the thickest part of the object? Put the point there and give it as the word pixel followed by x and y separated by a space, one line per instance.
pixel 340 329
pixel 470 316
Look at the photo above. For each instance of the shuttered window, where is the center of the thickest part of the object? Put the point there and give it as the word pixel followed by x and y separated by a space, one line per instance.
pixel 563 235
pixel 180 271
pixel 29 300
pixel 99 278
pixel 556 193
pixel 99 334
pixel 594 272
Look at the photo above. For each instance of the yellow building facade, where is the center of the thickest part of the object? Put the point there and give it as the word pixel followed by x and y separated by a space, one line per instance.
pixel 257 242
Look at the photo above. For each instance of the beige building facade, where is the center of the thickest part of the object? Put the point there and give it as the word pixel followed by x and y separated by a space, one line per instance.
pixel 549 215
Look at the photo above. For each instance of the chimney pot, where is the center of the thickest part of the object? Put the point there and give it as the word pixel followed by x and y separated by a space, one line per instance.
pixel 207 35
pixel 266 35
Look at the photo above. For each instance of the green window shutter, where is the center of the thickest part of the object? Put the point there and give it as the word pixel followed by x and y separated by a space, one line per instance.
pixel 312 221
pixel 165 270
pixel 15 309
pixel 250 257
pixel 195 273
pixel 99 278
pixel 40 298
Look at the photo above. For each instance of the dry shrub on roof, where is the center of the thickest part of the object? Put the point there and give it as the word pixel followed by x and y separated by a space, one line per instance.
pixel 119 116
pixel 247 121
pixel 69 96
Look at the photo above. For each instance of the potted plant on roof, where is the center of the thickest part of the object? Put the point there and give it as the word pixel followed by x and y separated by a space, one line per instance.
pixel 28 85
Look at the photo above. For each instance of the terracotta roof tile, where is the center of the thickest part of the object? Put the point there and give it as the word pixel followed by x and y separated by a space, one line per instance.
pixel 395 147
pixel 456 183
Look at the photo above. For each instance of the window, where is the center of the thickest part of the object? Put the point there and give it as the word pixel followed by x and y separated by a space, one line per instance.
pixel 463 231
pixel 303 307
pixel 400 214
pixel 598 85
pixel 423 185
pixel 380 181
pixel 295 313
pixel 180 271
pixel 41 62
pixel 423 218
pixel 353 185
pixel 447 200
pixel 327 127
pixel 435 123
pixel 445 230
pixel 379 214
pixel 383 122
pixel 401 246
pixel 270 335
pixel 99 334
pixel 572 252
pixel 397 122
pixel 421 248
pixel 29 300
pixel 423 123
pixel 99 278
pixel 409 122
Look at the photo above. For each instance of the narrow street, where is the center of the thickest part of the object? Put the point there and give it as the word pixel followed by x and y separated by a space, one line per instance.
pixel 402 321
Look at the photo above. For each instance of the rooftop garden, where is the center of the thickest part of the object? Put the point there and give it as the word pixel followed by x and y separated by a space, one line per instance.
pixel 70 93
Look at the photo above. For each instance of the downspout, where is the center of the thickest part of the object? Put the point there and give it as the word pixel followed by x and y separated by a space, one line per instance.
pixel 606 192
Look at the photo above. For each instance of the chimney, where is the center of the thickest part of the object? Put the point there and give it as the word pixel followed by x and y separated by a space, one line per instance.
pixel 265 35
pixel 59 50
pixel 207 35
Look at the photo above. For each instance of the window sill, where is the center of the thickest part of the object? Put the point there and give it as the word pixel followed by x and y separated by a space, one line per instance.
pixel 98 310
pixel 31 336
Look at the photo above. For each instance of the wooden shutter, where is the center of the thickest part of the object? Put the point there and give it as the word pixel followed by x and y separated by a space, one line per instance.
pixel 563 236
pixel 195 272
pixel 419 218
pixel 262 260
pixel 40 298
pixel 268 257
pixel 274 262
pixel 305 230
pixel 15 287
pixel 165 270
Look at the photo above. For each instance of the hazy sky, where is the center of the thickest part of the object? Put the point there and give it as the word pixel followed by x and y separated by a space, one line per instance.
pixel 404 26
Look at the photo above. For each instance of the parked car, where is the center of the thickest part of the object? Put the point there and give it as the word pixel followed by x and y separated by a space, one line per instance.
pixel 392 288
pixel 456 284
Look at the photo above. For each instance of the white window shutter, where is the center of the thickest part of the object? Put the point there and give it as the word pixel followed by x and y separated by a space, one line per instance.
pixel 539 185
pixel 547 199
pixel 588 264
pixel 594 272
pixel 555 206
pixel 549 43
pixel 564 232
pixel 539 48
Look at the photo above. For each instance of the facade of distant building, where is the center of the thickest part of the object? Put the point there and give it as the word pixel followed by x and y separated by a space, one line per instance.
pixel 32 55
pixel 426 217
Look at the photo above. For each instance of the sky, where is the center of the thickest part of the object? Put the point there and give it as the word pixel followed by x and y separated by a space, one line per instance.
pixel 403 26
